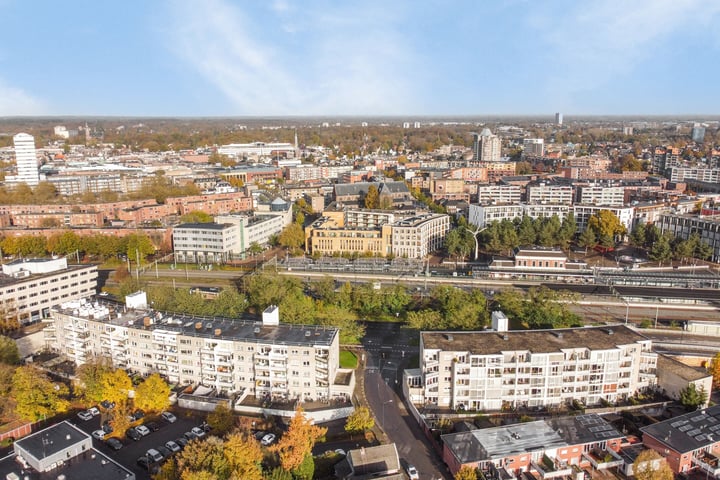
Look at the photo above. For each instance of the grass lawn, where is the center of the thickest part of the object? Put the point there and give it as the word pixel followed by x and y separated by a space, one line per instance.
pixel 348 359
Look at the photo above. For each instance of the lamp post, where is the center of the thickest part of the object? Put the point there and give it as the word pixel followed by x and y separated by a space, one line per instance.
pixel 383 412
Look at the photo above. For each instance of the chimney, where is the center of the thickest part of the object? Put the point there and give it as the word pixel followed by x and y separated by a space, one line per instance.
pixel 218 332
pixel 198 325
pixel 147 321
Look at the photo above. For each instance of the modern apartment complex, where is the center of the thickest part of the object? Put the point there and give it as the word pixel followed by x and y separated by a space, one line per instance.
pixel 497 194
pixel 533 147
pixel 204 242
pixel 550 194
pixel 601 195
pixel 26 160
pixel 533 368
pixel 682 226
pixel 486 146
pixel 232 355
pixel 416 237
pixel 29 288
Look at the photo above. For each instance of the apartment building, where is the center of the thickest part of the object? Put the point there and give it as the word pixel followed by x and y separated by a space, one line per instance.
pixel 484 215
pixel 205 242
pixel 601 195
pixel 533 147
pixel 682 226
pixel 256 228
pixel 327 236
pixel 550 194
pixel 29 288
pixel 498 194
pixel 583 212
pixel 533 368
pixel 681 174
pixel 486 146
pixel 240 356
pixel 416 237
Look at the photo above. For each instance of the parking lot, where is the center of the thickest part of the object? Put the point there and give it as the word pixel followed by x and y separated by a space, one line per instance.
pixel 128 455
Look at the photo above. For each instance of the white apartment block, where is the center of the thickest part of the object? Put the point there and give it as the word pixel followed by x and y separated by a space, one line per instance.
pixel 534 368
pixel 490 194
pixel 25 160
pixel 486 146
pixel 682 226
pixel 416 237
pixel 680 174
pixel 552 194
pixel 257 149
pixel 533 147
pixel 367 218
pixel 484 215
pixel 235 356
pixel 601 195
pixel 584 212
pixel 205 242
pixel 29 288
pixel 255 229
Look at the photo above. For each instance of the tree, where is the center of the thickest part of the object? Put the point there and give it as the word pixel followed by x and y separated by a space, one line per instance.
pixel 197 216
pixel 292 237
pixel 457 243
pixel 204 459
pixel 298 442
pixel 9 354
pixel 372 197
pixel 661 250
pixel 691 398
pixel 605 224
pixel 650 465
pixel 115 386
pixel 587 239
pixel 120 419
pixel 153 394
pixel 361 420
pixel 466 473
pixel 244 456
pixel 306 469
pixel 254 248
pixel 138 245
pixel 90 378
pixel 36 396
pixel 221 419
pixel 714 370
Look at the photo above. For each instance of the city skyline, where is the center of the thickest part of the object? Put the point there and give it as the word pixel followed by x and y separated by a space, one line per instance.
pixel 234 58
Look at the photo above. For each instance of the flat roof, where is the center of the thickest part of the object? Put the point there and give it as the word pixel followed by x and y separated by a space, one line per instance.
pixel 6 280
pixel 510 440
pixel 688 432
pixel 245 329
pixel 538 341
pixel 205 226
pixel 686 372
pixel 91 465
pixel 52 440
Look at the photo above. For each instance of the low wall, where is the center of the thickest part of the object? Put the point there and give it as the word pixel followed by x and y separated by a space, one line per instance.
pixel 196 402
pixel 318 416
pixel 16 430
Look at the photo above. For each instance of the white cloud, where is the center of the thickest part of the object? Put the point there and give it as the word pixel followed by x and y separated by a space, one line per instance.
pixel 317 61
pixel 594 43
pixel 14 101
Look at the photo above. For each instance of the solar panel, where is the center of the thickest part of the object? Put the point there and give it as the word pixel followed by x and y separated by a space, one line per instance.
pixel 678 423
pixel 700 438
pixel 685 428
pixel 715 428
pixel 711 419
pixel 694 432
pixel 697 418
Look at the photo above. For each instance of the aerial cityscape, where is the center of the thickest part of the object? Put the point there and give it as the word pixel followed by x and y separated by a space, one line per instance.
pixel 265 240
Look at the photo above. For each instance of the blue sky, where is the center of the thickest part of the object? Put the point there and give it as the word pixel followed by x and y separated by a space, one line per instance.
pixel 389 57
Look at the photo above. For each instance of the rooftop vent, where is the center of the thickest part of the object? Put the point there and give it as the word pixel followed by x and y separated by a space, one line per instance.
pixel 257 330
pixel 559 334
pixel 506 337
pixel 68 437
pixel 218 332
pixel 449 337
pixel 610 331
pixel 208 326
pixel 308 333
pixel 198 325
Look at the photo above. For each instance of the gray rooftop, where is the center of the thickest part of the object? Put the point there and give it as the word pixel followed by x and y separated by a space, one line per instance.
pixel 91 465
pixel 51 440
pixel 205 226
pixel 538 341
pixel 692 431
pixel 374 460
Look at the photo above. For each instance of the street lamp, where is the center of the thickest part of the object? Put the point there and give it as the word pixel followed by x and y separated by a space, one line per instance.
pixel 383 412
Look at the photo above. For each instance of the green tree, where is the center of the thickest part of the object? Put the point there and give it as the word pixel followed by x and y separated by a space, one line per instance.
pixel 361 420
pixel 36 396
pixel 587 239
pixel 306 469
pixel 693 398
pixel 138 245
pixel 637 236
pixel 372 197
pixel 526 231
pixel 64 243
pixel 650 465
pixel 255 248
pixel 197 216
pixel 221 419
pixel 426 319
pixel 9 354
pixel 153 394
pixel 661 251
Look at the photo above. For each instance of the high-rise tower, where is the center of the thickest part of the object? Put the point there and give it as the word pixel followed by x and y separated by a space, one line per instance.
pixel 26 160
pixel 486 146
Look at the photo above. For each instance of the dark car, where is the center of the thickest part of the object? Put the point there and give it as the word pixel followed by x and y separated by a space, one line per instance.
pixel 107 428
pixel 182 441
pixel 260 434
pixel 114 443
pixel 138 415
pixel 133 434
pixel 164 451
pixel 107 405
pixel 145 463
pixel 189 436
pixel 153 426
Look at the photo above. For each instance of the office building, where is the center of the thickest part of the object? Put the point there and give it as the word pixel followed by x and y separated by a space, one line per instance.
pixel 558 119
pixel 29 288
pixel 534 368
pixel 706 227
pixel 486 146
pixel 205 242
pixel 234 356
pixel 25 160
pixel 698 133
pixel 533 147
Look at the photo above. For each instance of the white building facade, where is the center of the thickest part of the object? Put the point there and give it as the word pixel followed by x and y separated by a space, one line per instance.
pixel 26 160
pixel 416 237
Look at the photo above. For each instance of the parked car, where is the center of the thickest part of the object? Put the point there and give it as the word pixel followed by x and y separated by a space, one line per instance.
pixel 93 411
pixel 164 451
pixel 340 451
pixel 147 464
pixel 168 417
pixel 172 446
pixel 84 415
pixel 268 439
pixel 153 426
pixel 99 434
pixel 106 427
pixel 107 405
pixel 199 432
pixel 114 443
pixel 181 441
pixel 260 434
pixel 133 434
pixel 190 435
pixel 138 414
pixel 154 455
pixel 142 430
pixel 413 473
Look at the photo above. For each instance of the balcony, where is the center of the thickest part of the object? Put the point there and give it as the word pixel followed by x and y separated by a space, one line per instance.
pixel 278 366
pixel 603 459
pixel 707 462
pixel 551 468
